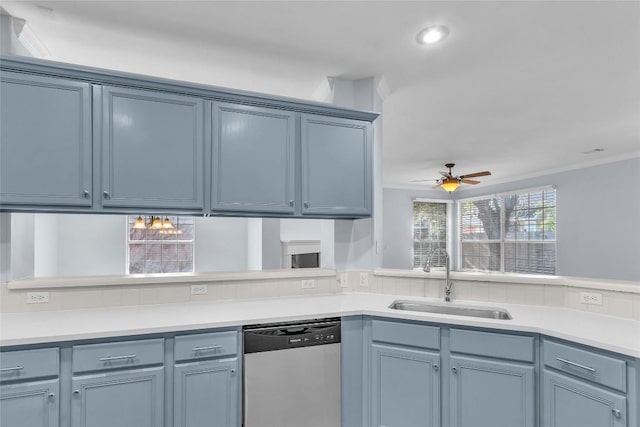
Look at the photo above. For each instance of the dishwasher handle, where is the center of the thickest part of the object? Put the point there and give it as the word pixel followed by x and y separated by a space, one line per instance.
pixel 294 331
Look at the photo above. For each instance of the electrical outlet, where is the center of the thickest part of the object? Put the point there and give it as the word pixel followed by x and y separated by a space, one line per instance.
pixel 37 297
pixel 364 279
pixel 344 282
pixel 591 298
pixel 308 284
pixel 199 290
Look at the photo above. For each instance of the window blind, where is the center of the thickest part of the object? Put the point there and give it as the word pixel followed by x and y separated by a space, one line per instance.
pixel 513 232
pixel 429 232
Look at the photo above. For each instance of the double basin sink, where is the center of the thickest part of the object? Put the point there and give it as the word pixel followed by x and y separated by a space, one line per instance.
pixel 451 309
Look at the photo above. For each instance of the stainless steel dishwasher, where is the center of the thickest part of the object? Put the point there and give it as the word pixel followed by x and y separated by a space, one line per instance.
pixel 292 374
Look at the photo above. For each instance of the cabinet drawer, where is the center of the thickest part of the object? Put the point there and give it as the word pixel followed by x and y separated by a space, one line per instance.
pixel 200 346
pixel 503 346
pixel 596 367
pixel 117 355
pixel 26 364
pixel 406 334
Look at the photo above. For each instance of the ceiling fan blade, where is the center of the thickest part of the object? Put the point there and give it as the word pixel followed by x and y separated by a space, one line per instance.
pixel 423 180
pixel 470 181
pixel 436 186
pixel 446 174
pixel 473 175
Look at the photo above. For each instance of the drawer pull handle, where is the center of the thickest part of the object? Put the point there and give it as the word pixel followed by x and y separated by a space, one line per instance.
pixel 112 358
pixel 14 368
pixel 208 347
pixel 616 413
pixel 577 365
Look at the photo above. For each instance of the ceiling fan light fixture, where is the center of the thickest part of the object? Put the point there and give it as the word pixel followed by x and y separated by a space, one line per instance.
pixel 432 35
pixel 450 185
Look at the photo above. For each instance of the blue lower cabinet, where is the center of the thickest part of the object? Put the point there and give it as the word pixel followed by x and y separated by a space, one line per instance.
pixel 32 404
pixel 405 387
pixel 118 399
pixel 488 393
pixel 206 394
pixel 570 402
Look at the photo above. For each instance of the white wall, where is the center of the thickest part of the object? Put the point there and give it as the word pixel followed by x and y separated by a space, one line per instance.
pixel 597 230
pixel 221 244
pixel 46 245
pixel 22 247
pixel 91 245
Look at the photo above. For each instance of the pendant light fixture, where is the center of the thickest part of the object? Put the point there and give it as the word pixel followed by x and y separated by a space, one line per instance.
pixel 155 223
pixel 139 224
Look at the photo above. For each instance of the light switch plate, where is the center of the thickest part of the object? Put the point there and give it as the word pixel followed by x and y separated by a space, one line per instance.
pixel 344 281
pixel 364 279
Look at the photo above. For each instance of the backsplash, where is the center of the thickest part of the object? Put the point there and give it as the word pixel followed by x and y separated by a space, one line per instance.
pixel 614 303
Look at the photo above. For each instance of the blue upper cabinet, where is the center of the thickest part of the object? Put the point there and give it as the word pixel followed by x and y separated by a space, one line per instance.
pixel 78 139
pixel 45 142
pixel 253 159
pixel 152 150
pixel 336 166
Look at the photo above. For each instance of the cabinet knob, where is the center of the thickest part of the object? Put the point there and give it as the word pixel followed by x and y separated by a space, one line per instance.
pixel 233 371
pixel 454 370
pixel 51 396
pixel 106 195
pixel 306 204
pixel 616 413
pixel 436 367
pixel 86 194
pixel 291 203
pixel 76 393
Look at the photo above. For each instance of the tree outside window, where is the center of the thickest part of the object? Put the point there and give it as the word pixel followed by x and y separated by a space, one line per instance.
pixel 510 233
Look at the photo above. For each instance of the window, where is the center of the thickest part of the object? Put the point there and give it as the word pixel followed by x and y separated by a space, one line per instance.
pixel 513 233
pixel 429 231
pixel 160 250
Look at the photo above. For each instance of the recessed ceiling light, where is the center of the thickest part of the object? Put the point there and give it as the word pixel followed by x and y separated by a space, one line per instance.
pixel 432 35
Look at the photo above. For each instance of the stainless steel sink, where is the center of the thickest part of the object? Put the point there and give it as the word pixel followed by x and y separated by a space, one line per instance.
pixel 455 310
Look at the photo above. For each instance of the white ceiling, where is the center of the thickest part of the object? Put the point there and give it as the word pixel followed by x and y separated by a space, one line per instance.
pixel 519 88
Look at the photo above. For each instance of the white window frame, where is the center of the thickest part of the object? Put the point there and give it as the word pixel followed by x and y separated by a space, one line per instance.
pixel 449 228
pixel 147 242
pixel 502 240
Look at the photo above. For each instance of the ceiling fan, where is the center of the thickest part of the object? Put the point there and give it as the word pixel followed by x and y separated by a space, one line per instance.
pixel 450 183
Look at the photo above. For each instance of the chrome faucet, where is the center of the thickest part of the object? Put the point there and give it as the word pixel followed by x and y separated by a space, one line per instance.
pixel 448 282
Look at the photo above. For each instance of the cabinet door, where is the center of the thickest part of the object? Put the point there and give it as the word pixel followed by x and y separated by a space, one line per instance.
pixel 118 399
pixel 45 153
pixel 336 166
pixel 568 403
pixel 152 150
pixel 491 394
pixel 206 394
pixel 253 159
pixel 405 387
pixel 33 404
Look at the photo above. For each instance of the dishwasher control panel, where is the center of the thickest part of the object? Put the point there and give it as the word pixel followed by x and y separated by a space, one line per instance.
pixel 281 336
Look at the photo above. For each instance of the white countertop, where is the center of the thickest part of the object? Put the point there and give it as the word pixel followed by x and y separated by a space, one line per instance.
pixel 606 332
